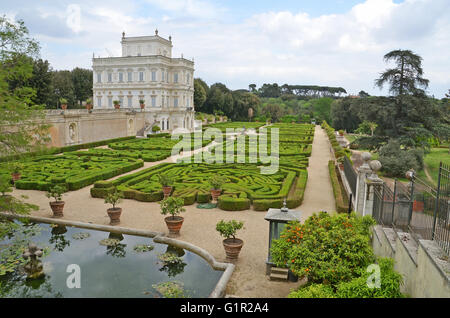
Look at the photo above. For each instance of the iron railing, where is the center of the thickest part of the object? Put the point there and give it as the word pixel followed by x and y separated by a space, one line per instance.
pixel 420 209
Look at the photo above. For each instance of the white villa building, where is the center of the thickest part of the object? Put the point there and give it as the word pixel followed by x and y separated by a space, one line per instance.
pixel 147 71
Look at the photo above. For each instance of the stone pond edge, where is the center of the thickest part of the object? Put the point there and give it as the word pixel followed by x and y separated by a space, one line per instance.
pixel 227 268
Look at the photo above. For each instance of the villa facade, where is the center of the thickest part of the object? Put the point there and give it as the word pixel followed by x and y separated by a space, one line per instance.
pixel 147 71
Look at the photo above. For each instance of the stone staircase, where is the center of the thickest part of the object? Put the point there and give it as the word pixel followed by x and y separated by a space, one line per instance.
pixel 278 274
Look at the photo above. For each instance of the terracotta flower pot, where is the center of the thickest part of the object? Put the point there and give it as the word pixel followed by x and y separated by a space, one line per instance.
pixel 167 191
pixel 88 106
pixel 215 193
pixel 142 106
pixel 418 206
pixel 64 106
pixel 57 208
pixel 232 248
pixel 117 106
pixel 114 215
pixel 15 176
pixel 174 224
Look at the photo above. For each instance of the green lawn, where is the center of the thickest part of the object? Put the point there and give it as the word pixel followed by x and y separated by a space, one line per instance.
pixel 432 160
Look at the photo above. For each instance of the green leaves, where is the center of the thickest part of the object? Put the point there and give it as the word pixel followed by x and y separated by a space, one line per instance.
pixel 229 229
pixel 326 248
pixel 114 197
pixel 56 192
pixel 172 206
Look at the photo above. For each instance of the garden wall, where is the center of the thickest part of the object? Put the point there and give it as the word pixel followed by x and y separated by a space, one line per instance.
pixel 424 266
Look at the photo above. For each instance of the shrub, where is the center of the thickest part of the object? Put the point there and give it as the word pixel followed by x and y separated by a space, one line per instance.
pixel 114 197
pixel 172 206
pixel 233 203
pixel 155 128
pixel 313 291
pixel 165 180
pixel 56 192
pixel 328 249
pixel 216 181
pixel 396 161
pixel 228 229
pixel 358 287
pixel 339 195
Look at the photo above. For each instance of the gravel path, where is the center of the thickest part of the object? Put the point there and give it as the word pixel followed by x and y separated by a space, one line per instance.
pixel 249 279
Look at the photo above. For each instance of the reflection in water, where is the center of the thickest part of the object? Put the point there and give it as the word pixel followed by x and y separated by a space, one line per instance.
pixel 171 263
pixel 113 245
pixel 58 239
pixel 175 250
pixel 120 272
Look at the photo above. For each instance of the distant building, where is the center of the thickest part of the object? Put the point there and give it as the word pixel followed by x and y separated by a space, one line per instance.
pixel 147 71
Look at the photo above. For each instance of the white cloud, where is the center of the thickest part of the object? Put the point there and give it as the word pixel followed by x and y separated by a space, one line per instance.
pixel 286 47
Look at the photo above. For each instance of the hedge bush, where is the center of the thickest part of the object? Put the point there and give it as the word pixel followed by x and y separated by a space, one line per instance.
pixel 234 202
pixel 326 248
pixel 340 196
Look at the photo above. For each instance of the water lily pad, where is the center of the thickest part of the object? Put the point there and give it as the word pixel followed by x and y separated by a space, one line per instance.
pixel 170 289
pixel 169 258
pixel 81 236
pixel 141 248
pixel 109 242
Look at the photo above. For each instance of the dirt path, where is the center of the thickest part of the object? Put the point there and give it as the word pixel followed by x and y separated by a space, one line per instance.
pixel 249 279
pixel 319 193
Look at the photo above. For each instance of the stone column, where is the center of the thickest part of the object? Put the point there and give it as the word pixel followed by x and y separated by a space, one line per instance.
pixel 371 181
pixel 363 171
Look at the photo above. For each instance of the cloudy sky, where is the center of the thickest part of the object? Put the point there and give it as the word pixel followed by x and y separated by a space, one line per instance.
pixel 238 42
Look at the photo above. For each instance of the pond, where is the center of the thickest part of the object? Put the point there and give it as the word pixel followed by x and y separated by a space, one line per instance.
pixel 127 266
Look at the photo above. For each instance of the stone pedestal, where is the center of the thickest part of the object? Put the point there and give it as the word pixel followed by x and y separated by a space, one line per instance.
pixel 363 172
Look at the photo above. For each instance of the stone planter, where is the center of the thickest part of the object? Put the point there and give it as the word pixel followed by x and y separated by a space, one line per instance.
pixel 215 193
pixel 167 191
pixel 57 208
pixel 174 225
pixel 114 215
pixel 232 248
pixel 15 176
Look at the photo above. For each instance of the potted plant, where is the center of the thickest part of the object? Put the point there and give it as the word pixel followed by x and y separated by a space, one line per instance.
pixel 216 182
pixel 16 169
pixel 231 244
pixel 57 206
pixel 88 104
pixel 155 129
pixel 173 206
pixel 142 103
pixel 116 104
pixel 63 102
pixel 166 182
pixel 341 132
pixel 114 197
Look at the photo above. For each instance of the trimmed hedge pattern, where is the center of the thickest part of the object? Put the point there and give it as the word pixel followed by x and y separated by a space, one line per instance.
pixel 245 184
pixel 75 170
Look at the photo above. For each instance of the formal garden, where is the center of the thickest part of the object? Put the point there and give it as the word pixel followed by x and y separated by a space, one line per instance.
pixel 114 207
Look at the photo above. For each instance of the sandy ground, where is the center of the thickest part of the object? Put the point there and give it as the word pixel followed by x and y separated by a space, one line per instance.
pixel 248 279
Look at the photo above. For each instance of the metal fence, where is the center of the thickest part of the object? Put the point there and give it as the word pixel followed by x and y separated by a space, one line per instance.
pixel 420 209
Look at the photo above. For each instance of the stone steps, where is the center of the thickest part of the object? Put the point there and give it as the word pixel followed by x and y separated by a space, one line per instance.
pixel 278 274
